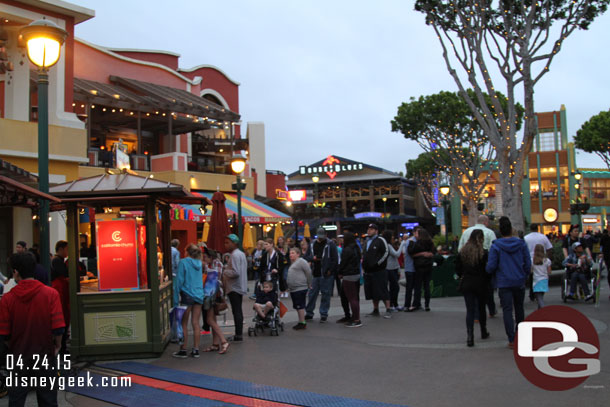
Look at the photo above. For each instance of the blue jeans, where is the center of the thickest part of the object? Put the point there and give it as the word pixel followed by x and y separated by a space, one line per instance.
pixel 512 297
pixel 576 278
pixel 323 285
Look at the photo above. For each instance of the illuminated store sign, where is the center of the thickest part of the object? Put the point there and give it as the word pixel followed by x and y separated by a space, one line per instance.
pixel 117 255
pixel 331 166
pixel 368 215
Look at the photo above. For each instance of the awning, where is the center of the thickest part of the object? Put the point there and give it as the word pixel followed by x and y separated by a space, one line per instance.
pixel 252 211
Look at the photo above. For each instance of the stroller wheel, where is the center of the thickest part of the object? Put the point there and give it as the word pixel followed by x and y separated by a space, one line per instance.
pixel 274 332
pixel 250 331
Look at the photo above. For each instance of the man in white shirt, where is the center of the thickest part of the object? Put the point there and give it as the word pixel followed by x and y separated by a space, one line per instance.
pixel 238 284
pixel 535 238
pixel 488 234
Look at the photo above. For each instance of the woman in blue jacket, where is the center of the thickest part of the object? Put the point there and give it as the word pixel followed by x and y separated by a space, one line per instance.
pixel 188 291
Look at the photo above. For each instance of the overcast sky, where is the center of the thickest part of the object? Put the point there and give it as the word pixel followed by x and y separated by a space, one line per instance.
pixel 326 77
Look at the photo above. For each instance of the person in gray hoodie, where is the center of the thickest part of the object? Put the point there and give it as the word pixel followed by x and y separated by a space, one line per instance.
pixel 298 280
pixel 237 283
pixel 510 261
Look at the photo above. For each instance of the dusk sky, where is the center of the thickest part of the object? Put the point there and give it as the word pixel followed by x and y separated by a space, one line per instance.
pixel 326 77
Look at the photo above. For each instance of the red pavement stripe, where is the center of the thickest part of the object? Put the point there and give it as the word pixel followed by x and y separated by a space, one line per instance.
pixel 203 393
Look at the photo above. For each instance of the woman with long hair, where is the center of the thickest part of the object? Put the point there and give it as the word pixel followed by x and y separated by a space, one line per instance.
pixel 188 290
pixel 422 252
pixel 470 267
pixel 211 291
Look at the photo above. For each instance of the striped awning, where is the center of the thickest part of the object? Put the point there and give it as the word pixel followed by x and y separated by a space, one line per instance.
pixel 252 211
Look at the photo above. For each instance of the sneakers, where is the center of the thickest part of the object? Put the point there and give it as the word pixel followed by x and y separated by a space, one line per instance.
pixel 590 297
pixel 323 319
pixel 375 313
pixel 354 324
pixel 343 320
pixel 181 354
pixel 237 339
pixel 308 317
pixel 195 353
pixel 392 309
pixel 399 309
pixel 299 326
pixel 387 314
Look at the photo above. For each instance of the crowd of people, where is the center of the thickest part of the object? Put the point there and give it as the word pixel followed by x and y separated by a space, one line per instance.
pixel 205 282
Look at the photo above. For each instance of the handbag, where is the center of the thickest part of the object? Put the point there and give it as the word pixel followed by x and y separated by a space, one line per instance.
pixel 220 304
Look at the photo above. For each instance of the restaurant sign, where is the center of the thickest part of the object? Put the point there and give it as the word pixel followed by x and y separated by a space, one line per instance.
pixel 117 255
pixel 331 166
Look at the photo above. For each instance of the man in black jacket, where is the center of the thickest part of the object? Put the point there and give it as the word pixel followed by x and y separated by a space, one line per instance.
pixel 375 275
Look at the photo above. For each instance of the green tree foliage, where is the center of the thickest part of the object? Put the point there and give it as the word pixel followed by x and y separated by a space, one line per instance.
pixel 594 136
pixel 445 127
pixel 505 45
pixel 424 170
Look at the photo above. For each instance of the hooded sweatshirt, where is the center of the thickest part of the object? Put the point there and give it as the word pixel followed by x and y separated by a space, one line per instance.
pixel 29 314
pixel 509 259
pixel 189 280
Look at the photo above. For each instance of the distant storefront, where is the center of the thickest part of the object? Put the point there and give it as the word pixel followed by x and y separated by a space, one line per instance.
pixel 338 192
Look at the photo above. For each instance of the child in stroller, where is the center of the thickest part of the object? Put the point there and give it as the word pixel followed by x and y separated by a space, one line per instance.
pixel 267 310
pixel 578 270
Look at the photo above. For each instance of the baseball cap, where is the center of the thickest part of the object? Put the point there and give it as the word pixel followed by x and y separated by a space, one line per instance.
pixel 321 232
pixel 373 226
pixel 575 245
pixel 233 237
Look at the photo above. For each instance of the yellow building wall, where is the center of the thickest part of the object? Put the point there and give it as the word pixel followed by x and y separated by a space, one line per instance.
pixel 16 135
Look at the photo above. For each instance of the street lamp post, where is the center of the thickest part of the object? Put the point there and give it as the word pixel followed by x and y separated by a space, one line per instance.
pixel 445 189
pixel 384 199
pixel 238 165
pixel 43 39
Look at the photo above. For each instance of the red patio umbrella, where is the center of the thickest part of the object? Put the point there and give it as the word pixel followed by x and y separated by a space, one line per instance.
pixel 219 224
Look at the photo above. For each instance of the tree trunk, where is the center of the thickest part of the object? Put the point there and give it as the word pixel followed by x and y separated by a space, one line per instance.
pixel 473 212
pixel 512 206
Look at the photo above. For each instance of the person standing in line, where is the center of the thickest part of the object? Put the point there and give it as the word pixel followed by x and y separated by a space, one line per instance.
pixel 188 291
pixel 541 269
pixel 510 262
pixel 61 283
pixel 347 316
pixel 409 268
pixel 470 267
pixel 374 262
pixel 237 283
pixel 482 224
pixel 21 247
pixel 257 256
pixel 570 239
pixel 349 272
pixel 298 281
pixel 175 256
pixel 422 252
pixel 271 267
pixel 212 267
pixel 605 247
pixel 306 252
pixel 32 325
pixel 325 261
pixel 392 269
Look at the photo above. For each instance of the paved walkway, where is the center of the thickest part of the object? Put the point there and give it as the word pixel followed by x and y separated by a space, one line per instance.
pixel 414 359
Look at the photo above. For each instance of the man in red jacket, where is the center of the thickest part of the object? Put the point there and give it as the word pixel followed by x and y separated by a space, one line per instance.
pixel 31 324
pixel 60 282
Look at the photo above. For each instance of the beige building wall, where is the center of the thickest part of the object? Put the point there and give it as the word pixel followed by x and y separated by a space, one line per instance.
pixel 256 136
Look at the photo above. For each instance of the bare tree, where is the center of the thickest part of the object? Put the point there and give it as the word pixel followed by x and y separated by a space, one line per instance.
pixel 516 40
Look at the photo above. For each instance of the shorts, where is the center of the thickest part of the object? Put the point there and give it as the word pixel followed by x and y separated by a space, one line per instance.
pixel 298 299
pixel 187 300
pixel 376 286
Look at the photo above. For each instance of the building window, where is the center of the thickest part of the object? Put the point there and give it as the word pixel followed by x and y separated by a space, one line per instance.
pixel 547 141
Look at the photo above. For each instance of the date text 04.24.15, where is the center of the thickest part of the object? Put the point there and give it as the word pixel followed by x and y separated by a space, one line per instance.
pixel 38 362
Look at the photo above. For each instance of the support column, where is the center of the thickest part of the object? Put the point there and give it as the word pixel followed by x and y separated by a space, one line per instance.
pixel 372 198
pixel 401 199
pixel 343 201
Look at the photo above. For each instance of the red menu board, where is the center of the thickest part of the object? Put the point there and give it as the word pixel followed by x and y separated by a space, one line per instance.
pixel 117 255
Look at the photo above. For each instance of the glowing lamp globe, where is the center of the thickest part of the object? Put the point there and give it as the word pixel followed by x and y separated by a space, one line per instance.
pixel 43 39
pixel 238 163
pixel 445 189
